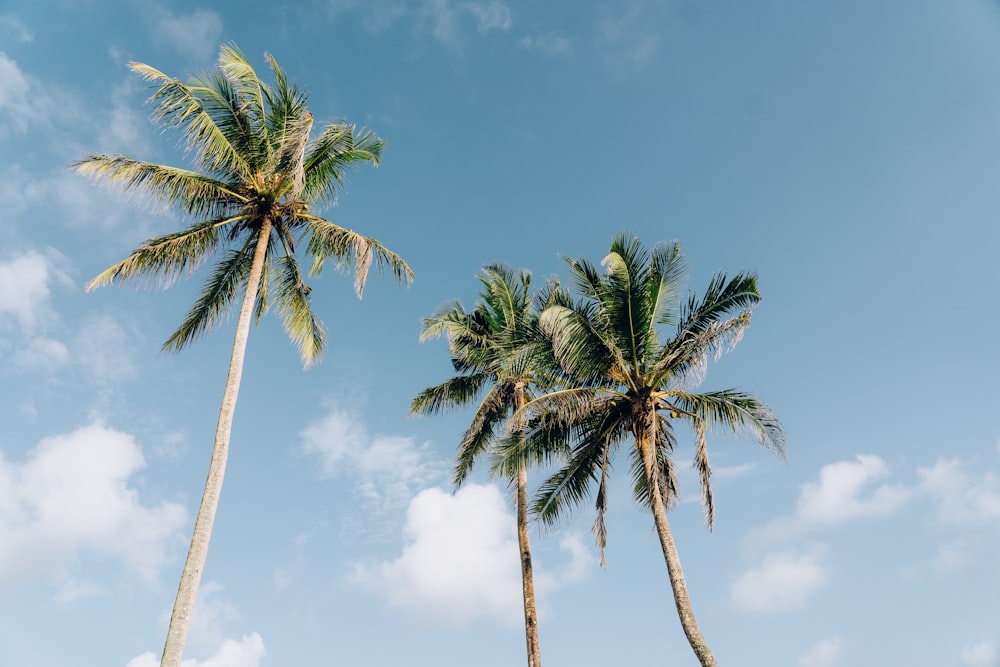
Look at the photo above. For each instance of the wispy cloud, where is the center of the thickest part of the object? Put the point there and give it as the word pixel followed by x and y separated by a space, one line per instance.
pixel 387 470
pixel 961 496
pixel 445 21
pixel 983 654
pixel 550 43
pixel 245 652
pixel 10 25
pixel 627 39
pixel 195 35
pixel 782 582
pixel 22 102
pixel 826 653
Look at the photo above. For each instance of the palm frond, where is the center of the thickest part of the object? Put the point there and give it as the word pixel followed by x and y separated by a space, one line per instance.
pixel 488 418
pixel 176 105
pixel 195 194
pixel 350 249
pixel 451 394
pixel 736 411
pixel 670 267
pixel 301 323
pixel 251 91
pixel 216 297
pixel 338 148
pixel 166 257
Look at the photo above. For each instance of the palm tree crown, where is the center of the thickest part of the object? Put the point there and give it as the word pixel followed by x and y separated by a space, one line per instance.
pixel 258 173
pixel 625 383
pixel 500 353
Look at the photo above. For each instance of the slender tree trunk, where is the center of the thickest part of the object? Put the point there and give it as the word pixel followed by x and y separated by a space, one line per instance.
pixel 187 591
pixel 645 441
pixel 527 578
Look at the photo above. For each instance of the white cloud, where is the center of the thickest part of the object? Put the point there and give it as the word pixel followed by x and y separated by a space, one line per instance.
pixel 826 653
pixel 196 34
pixel 387 470
pixel 948 559
pixel 19 104
pixel 446 21
pixel 845 491
pixel 839 495
pixel 24 290
pixel 782 582
pixel 491 15
pixel 247 652
pixel 11 26
pixel 550 43
pixel 983 654
pixel 43 354
pixel 961 497
pixel 104 350
pixel 626 39
pixel 460 561
pixel 70 497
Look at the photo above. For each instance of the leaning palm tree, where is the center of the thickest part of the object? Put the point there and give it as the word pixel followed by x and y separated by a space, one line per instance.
pixel 258 176
pixel 501 358
pixel 626 385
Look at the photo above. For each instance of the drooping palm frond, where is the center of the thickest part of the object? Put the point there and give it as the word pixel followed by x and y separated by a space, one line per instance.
pixel 352 250
pixel 736 411
pixel 301 323
pixel 487 423
pixel 216 297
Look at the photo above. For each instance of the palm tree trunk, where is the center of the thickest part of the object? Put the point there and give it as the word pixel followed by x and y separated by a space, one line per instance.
pixel 187 591
pixel 645 443
pixel 527 578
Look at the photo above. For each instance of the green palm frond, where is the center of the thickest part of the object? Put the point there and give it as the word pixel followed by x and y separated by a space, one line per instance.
pixel 736 411
pixel 165 258
pixel 216 297
pixel 451 394
pixel 339 147
pixel 670 266
pixel 486 422
pixel 684 361
pixel 193 193
pixel 301 323
pixel 175 105
pixel 251 91
pixel 352 250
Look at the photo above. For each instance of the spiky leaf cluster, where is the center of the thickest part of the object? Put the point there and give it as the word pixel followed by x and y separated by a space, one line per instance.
pixel 255 161
pixel 631 348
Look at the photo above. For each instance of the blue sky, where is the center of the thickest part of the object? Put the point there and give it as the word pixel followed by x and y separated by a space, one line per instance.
pixel 847 152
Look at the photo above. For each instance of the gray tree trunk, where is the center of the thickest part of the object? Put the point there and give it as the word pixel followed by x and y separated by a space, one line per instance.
pixel 646 440
pixel 187 591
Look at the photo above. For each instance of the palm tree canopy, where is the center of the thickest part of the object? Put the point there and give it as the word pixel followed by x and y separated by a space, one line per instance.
pixel 256 163
pixel 633 348
pixel 497 349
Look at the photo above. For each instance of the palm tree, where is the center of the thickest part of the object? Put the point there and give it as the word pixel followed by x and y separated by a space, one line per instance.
pixel 259 173
pixel 625 385
pixel 500 354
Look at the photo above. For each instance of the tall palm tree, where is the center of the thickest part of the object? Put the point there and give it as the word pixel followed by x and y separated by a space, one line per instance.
pixel 258 176
pixel 626 385
pixel 499 354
